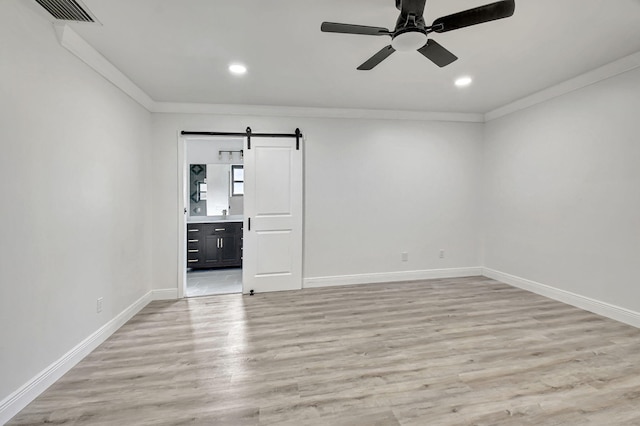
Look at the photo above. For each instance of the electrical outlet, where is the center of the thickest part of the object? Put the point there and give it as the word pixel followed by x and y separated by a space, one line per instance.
pixel 441 253
pixel 99 305
pixel 404 256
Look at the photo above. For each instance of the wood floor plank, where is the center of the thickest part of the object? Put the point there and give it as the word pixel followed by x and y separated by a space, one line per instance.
pixel 449 351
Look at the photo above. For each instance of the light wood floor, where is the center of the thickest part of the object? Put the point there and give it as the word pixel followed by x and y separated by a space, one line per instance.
pixel 442 352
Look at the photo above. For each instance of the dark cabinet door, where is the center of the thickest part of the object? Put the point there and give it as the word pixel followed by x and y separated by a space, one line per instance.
pixel 240 241
pixel 211 251
pixel 228 251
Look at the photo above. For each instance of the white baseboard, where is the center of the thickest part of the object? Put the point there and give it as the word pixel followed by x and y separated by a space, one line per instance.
pixel 164 294
pixel 387 277
pixel 14 403
pixel 608 310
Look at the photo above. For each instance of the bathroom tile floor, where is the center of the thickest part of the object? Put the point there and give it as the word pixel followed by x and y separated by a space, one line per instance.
pixel 214 281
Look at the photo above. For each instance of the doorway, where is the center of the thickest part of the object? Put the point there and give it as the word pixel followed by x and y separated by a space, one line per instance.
pixel 241 225
pixel 214 213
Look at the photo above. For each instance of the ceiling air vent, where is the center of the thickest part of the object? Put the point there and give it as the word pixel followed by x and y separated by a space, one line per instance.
pixel 66 10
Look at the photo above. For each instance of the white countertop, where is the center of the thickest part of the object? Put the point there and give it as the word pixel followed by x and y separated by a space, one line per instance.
pixel 215 219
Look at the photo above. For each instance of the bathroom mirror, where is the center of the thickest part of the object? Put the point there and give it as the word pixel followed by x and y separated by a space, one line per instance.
pixel 216 189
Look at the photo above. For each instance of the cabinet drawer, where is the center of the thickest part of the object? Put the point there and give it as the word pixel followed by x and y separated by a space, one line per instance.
pixel 201 230
pixel 218 228
pixel 194 233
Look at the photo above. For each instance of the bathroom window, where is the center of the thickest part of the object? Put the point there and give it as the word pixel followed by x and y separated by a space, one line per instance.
pixel 202 191
pixel 237 180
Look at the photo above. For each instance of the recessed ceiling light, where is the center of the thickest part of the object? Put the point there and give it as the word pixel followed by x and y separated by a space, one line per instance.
pixel 237 69
pixel 463 81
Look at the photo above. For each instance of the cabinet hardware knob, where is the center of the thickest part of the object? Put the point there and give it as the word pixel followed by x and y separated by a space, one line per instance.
pixel 192 230
pixel 219 229
pixel 192 241
pixel 192 261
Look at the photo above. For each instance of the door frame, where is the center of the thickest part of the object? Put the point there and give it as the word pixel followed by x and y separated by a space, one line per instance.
pixel 182 216
pixel 183 203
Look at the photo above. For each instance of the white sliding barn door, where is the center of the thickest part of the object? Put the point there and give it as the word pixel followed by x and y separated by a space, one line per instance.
pixel 272 254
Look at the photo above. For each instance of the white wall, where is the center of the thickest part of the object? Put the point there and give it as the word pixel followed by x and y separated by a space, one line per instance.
pixel 373 189
pixel 562 192
pixel 75 216
pixel 206 150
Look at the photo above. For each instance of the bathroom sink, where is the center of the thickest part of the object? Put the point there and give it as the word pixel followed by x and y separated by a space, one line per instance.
pixel 215 219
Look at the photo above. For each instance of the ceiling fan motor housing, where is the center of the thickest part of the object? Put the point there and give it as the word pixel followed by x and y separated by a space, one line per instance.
pixel 409 39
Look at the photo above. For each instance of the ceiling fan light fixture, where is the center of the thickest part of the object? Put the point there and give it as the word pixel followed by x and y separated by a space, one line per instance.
pixel 409 40
pixel 463 81
pixel 237 69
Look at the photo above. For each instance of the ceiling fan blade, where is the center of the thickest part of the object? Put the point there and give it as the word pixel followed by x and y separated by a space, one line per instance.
pixel 333 27
pixel 478 15
pixel 377 58
pixel 437 54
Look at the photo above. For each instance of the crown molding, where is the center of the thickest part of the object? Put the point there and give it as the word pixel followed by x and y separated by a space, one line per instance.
pixel 70 40
pixel 609 70
pixel 307 112
pixel 75 44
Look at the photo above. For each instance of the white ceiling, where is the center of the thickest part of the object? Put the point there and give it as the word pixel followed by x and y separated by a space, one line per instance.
pixel 179 51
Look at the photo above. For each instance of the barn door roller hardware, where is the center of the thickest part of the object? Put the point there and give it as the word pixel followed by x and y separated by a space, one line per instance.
pixel 249 134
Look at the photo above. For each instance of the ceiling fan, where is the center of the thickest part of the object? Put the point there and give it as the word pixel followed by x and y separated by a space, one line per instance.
pixel 411 30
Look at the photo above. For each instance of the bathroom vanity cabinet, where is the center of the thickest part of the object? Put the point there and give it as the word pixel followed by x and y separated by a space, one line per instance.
pixel 214 245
